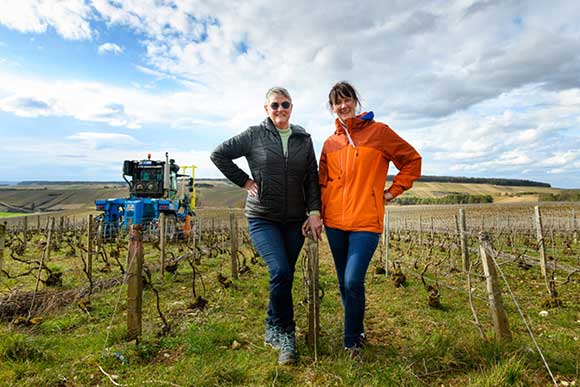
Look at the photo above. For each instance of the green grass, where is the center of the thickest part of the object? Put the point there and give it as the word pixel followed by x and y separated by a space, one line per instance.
pixel 410 344
pixel 10 214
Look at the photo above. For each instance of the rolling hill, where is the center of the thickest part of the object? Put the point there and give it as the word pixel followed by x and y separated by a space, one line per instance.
pixel 219 193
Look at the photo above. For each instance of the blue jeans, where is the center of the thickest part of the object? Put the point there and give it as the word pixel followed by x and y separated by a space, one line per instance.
pixel 279 244
pixel 352 252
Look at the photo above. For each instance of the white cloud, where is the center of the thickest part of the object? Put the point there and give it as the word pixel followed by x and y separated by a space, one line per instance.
pixel 562 159
pixel 26 106
pixel 70 18
pixel 505 99
pixel 95 155
pixel 111 138
pixel 110 48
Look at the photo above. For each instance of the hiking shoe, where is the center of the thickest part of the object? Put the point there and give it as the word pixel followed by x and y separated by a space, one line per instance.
pixel 272 336
pixel 353 352
pixel 362 340
pixel 287 348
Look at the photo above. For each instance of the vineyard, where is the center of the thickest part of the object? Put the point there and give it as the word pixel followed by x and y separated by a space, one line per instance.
pixel 477 295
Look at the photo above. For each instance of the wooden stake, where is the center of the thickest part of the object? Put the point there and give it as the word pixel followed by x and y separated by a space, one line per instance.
pixel 540 238
pixel 387 237
pixel 234 244
pixel 498 314
pixel 574 227
pixel 420 231
pixel 162 221
pixel 25 231
pixel 134 283
pixel 45 256
pixel 90 251
pixel 2 242
pixel 312 297
pixel 457 234
pixel 463 239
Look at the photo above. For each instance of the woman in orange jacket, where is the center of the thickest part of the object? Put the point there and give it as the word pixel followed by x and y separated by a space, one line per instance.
pixel 353 173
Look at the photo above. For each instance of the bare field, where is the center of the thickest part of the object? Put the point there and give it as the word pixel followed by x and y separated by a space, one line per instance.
pixel 220 194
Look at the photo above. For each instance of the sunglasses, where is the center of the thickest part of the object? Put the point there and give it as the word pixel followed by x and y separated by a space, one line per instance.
pixel 276 105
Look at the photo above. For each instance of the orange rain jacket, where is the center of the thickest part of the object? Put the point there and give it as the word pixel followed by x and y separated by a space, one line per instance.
pixel 353 175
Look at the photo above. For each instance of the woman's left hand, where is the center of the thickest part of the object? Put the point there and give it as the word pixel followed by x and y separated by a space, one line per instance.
pixel 387 197
pixel 313 225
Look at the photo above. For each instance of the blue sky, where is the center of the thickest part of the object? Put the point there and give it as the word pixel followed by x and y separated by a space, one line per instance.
pixel 480 88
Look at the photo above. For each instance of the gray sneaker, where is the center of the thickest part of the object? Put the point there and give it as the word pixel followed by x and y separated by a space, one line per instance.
pixel 287 348
pixel 272 336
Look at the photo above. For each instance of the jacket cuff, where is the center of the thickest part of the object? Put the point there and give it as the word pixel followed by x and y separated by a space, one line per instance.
pixel 395 190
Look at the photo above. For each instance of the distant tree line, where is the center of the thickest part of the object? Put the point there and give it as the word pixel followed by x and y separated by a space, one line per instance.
pixel 564 196
pixel 481 180
pixel 458 198
pixel 67 182
pixel 425 179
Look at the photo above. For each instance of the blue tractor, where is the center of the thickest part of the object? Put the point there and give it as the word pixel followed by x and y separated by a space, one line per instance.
pixel 155 187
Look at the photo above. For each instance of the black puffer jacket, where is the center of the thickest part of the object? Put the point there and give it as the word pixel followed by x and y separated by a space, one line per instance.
pixel 287 188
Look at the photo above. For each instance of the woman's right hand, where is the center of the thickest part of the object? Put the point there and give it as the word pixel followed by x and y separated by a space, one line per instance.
pixel 251 187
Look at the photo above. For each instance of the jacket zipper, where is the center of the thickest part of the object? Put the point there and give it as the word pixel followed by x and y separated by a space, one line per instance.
pixel 345 184
pixel 285 157
pixel 346 169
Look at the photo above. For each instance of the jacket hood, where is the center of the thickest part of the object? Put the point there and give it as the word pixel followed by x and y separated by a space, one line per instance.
pixel 358 122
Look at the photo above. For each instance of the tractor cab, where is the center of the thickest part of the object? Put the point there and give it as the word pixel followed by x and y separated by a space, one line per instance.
pixel 151 178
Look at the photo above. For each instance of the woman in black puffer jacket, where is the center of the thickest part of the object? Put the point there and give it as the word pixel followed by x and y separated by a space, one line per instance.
pixel 282 193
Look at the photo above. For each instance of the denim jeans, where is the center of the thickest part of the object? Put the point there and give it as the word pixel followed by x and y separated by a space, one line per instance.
pixel 352 252
pixel 279 244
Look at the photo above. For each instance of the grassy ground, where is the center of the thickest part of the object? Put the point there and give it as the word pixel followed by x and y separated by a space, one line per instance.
pixel 410 344
pixel 9 214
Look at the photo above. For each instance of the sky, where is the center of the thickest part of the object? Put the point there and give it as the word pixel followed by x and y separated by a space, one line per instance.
pixel 479 88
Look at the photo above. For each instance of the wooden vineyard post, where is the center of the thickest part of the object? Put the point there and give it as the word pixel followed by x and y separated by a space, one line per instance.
pixel 420 230
pixel 90 251
pixel 51 230
pixel 162 220
pixel 234 244
pixel 574 227
pixel 134 283
pixel 198 229
pixel 99 231
pixel 313 299
pixel 44 257
pixel 387 237
pixel 432 231
pixel 498 314
pixel 540 238
pixel 25 229
pixel 2 241
pixel 457 234
pixel 463 239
